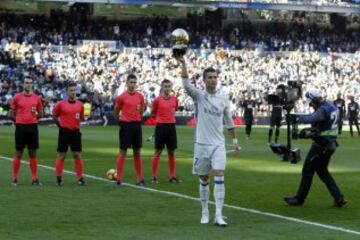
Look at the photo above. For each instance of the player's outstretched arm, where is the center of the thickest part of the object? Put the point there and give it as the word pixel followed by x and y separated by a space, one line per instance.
pixel 189 88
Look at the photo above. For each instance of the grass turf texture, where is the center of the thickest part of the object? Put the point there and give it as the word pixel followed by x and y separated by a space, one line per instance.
pixel 254 179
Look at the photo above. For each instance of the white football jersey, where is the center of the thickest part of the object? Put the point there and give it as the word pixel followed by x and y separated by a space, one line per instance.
pixel 211 111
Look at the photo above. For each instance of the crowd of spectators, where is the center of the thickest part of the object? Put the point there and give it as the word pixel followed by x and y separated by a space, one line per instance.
pixel 101 73
pixel 295 32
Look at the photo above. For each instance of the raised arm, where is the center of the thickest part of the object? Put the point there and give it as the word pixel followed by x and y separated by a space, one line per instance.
pixel 189 88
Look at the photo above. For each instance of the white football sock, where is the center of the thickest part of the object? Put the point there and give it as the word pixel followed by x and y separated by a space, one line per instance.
pixel 204 195
pixel 219 194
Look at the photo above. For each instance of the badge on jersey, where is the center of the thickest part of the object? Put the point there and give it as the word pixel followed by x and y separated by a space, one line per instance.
pixel 138 107
pixel 33 109
pixel 77 115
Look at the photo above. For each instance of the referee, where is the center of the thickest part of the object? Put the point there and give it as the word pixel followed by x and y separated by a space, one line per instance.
pixel 68 114
pixel 164 108
pixel 129 107
pixel 25 109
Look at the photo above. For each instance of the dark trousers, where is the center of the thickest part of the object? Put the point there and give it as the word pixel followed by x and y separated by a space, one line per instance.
pixel 340 125
pixel 249 122
pixel 317 161
pixel 354 121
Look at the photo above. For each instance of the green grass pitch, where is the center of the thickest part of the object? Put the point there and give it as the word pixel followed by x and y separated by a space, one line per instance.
pixel 255 179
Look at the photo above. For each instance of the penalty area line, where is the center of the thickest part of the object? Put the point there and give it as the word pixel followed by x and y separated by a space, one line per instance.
pixel 179 195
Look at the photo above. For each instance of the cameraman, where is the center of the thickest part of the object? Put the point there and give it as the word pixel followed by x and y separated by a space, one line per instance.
pixel 324 121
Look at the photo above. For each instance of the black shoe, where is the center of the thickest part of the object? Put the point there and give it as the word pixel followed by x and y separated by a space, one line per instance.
pixel 81 182
pixel 118 183
pixel 154 180
pixel 36 182
pixel 59 181
pixel 175 180
pixel 14 182
pixel 340 202
pixel 141 183
pixel 293 201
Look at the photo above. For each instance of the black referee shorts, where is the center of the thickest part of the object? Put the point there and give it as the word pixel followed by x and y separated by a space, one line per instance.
pixel 26 135
pixel 68 137
pixel 275 120
pixel 165 133
pixel 130 135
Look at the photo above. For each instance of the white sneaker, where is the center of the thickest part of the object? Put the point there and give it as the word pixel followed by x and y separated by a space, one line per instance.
pixel 204 218
pixel 219 221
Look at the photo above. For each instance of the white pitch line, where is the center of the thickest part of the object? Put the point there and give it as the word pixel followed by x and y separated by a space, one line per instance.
pixel 249 210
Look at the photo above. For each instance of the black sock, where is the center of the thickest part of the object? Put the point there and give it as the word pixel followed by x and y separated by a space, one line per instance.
pixel 270 134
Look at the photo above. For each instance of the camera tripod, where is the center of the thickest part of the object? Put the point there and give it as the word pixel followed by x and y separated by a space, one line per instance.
pixel 287 154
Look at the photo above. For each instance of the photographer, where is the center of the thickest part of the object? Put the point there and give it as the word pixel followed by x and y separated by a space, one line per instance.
pixel 323 133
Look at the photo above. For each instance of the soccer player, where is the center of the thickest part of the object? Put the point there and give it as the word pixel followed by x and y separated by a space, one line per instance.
pixel 340 104
pixel 248 108
pixel 164 107
pixel 276 115
pixel 353 111
pixel 212 109
pixel 68 114
pixel 25 109
pixel 131 103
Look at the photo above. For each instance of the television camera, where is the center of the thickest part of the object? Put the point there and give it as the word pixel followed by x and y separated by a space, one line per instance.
pixel 287 97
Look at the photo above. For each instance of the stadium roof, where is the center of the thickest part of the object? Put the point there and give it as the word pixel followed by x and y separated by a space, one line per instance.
pixel 291 5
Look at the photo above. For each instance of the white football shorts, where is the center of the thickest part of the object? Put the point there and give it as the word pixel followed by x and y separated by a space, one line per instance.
pixel 208 158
